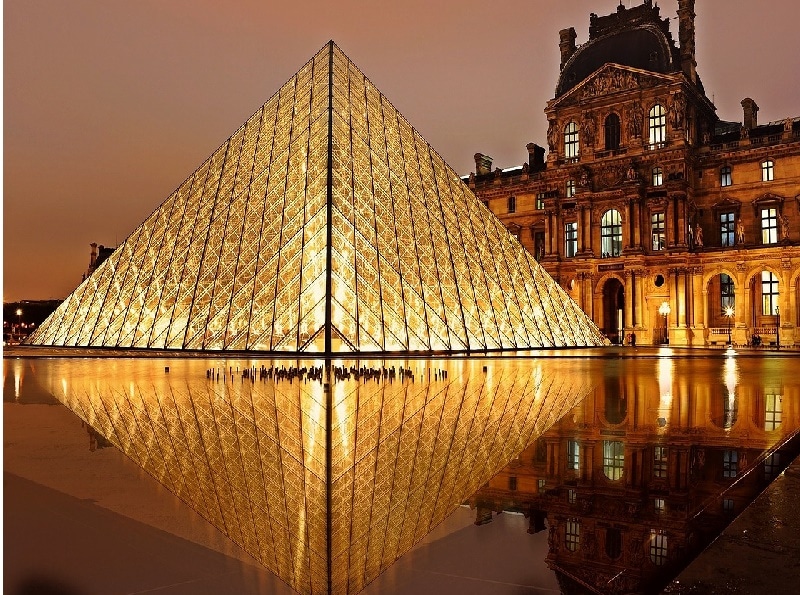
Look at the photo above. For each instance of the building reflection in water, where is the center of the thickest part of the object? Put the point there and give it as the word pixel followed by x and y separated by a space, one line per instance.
pixel 645 472
pixel 326 484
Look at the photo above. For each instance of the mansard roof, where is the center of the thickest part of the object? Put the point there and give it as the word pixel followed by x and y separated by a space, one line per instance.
pixel 636 37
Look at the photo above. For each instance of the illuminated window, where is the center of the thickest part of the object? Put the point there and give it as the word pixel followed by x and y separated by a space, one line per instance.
pixel 659 461
pixel 767 170
pixel 540 201
pixel 658 547
pixel 612 132
pixel 725 176
pixel 571 141
pixel 773 412
pixel 613 459
pixel 573 535
pixel 659 505
pixel 570 188
pixel 658 230
pixel 611 233
pixel 540 484
pixel 769 294
pixel 657 125
pixel 512 483
pixel 727 293
pixel 573 455
pixel 769 226
pixel 512 204
pixel 727 228
pixel 571 496
pixel 730 464
pixel 658 176
pixel 613 543
pixel 570 239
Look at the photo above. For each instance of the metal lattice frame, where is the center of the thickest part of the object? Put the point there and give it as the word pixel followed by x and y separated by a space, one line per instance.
pixel 327 224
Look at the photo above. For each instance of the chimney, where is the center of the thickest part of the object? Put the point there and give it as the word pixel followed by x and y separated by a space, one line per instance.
pixel 535 157
pixel 750 113
pixel 686 16
pixel 483 164
pixel 567 44
pixel 93 255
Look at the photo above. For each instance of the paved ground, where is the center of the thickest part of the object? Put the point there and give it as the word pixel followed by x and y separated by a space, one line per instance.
pixel 759 553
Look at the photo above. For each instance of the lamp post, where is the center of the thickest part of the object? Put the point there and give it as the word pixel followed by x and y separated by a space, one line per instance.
pixel 664 310
pixel 729 314
pixel 19 322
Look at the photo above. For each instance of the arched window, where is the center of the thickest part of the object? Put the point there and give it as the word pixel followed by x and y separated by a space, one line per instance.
pixel 612 132
pixel 769 293
pixel 657 125
pixel 658 547
pixel 572 535
pixel 658 176
pixel 571 141
pixel 611 233
pixel 727 292
pixel 613 459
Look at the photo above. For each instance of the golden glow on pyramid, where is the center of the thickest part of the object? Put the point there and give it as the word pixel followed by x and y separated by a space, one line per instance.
pixel 325 223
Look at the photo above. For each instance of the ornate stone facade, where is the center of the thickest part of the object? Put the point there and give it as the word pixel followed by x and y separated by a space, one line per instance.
pixel 647 198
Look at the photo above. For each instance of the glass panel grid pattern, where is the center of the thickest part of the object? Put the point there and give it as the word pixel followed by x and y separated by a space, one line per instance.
pixel 324 215
pixel 324 488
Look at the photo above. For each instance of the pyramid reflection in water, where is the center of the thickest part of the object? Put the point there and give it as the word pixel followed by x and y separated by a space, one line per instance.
pixel 325 223
pixel 327 511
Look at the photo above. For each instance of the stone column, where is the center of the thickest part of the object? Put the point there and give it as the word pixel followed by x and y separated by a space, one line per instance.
pixel 628 292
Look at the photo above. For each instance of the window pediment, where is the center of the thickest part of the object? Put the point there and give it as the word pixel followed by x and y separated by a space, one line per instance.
pixel 767 199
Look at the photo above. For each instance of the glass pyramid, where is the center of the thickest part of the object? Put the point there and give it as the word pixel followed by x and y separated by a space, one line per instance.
pixel 324 483
pixel 325 223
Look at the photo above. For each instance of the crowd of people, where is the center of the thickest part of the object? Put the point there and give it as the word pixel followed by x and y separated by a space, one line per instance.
pixel 317 373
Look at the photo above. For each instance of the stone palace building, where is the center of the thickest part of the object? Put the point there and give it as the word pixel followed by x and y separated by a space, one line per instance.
pixel 665 223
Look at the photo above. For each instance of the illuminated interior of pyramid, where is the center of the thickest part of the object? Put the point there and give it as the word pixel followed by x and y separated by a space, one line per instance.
pixel 324 224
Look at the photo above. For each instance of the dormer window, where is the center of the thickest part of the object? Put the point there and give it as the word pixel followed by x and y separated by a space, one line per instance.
pixel 571 141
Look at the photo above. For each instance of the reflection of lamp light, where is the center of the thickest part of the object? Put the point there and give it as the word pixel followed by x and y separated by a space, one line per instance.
pixel 729 314
pixel 664 310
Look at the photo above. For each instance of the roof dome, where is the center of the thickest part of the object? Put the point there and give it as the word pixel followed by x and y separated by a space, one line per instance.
pixel 636 37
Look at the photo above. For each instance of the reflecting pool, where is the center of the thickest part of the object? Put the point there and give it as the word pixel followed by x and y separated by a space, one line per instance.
pixel 626 466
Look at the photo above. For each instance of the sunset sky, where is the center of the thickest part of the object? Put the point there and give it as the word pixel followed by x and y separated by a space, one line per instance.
pixel 109 105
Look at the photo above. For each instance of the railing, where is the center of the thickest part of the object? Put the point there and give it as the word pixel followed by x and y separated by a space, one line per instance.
pixel 763 330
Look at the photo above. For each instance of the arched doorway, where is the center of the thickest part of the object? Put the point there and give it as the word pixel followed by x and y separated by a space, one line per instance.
pixel 721 308
pixel 613 310
pixel 763 320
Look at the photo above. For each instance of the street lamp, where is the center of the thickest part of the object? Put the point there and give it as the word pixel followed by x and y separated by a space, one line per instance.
pixel 664 310
pixel 729 314
pixel 19 322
